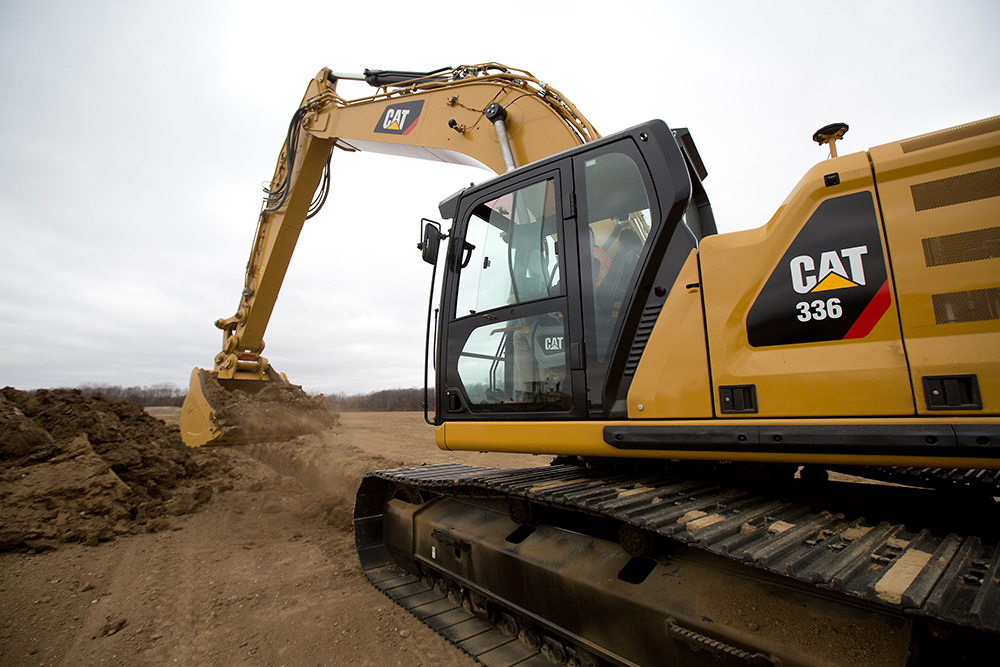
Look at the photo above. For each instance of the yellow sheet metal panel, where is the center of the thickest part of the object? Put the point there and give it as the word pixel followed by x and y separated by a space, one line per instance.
pixel 803 308
pixel 940 196
pixel 672 380
pixel 418 125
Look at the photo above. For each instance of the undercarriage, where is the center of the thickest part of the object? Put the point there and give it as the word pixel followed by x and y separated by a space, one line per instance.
pixel 577 565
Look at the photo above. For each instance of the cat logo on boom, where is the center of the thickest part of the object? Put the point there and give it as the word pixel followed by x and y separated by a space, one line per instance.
pixel 831 283
pixel 399 118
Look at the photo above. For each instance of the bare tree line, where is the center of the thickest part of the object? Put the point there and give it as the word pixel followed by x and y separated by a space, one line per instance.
pixel 163 394
pixel 168 394
pixel 386 400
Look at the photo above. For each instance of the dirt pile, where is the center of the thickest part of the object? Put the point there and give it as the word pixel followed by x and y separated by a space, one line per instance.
pixel 85 469
pixel 265 573
pixel 277 411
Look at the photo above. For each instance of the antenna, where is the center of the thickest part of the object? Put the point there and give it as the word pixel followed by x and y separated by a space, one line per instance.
pixel 829 135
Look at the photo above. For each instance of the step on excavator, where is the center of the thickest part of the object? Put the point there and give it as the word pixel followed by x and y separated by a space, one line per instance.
pixel 779 446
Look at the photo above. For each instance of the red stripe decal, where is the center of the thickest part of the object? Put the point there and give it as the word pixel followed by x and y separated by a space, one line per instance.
pixel 412 125
pixel 872 313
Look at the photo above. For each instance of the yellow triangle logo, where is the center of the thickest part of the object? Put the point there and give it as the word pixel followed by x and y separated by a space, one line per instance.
pixel 833 281
pixel 393 126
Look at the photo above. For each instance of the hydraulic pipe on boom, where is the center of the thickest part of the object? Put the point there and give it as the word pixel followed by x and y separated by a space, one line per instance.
pixel 486 115
pixel 498 115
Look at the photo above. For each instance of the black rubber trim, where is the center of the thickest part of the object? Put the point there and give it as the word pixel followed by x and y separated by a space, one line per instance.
pixel 981 440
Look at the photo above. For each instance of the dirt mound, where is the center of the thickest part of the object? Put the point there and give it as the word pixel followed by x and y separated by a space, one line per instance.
pixel 84 469
pixel 277 411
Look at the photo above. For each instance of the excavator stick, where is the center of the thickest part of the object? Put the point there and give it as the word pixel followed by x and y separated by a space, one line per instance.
pixel 235 411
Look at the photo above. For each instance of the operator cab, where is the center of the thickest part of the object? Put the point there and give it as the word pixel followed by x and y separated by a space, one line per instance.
pixel 549 270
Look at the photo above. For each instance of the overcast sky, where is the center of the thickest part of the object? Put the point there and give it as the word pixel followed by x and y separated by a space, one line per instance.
pixel 136 136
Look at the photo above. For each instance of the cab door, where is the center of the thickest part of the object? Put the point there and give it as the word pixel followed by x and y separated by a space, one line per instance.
pixel 510 305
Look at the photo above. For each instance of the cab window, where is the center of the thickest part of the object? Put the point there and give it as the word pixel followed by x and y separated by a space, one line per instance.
pixel 510 251
pixel 512 360
pixel 617 228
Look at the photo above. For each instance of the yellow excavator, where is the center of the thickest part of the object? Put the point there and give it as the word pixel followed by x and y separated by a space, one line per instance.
pixel 773 447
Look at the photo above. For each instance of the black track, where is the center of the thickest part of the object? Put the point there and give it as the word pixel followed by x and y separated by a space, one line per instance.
pixel 944 577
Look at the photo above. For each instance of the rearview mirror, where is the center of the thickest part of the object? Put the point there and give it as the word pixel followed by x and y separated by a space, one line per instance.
pixel 430 242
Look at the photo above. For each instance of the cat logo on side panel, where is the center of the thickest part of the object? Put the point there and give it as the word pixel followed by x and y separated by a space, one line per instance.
pixel 831 283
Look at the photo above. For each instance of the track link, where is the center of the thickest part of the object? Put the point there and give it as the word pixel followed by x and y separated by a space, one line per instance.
pixel 963 479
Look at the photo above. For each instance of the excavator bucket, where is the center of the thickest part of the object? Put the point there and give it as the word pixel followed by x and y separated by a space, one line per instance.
pixel 232 412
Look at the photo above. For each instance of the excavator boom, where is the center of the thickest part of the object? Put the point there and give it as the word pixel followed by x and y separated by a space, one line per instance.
pixel 487 115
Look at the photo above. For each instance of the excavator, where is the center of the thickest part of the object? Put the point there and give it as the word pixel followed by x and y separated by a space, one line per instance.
pixel 778 446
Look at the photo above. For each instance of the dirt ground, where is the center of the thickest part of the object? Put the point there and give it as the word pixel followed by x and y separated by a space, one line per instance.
pixel 118 547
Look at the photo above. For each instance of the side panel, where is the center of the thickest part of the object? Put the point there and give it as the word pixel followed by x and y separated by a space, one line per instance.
pixel 803 308
pixel 940 197
pixel 672 380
